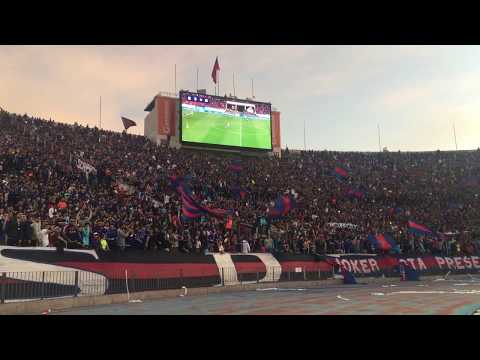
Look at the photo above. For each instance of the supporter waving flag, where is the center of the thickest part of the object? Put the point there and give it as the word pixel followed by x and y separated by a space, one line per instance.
pixel 419 229
pixel 340 173
pixel 382 241
pixel 283 205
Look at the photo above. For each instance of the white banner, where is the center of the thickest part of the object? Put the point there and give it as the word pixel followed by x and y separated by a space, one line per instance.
pixel 86 167
pixel 343 225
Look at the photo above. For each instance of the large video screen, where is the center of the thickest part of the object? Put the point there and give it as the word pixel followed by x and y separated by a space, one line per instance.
pixel 214 120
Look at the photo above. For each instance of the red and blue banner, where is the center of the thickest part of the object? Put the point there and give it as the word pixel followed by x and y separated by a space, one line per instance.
pixel 419 229
pixel 382 241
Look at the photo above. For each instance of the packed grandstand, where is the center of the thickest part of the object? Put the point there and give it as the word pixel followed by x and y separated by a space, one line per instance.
pixel 79 187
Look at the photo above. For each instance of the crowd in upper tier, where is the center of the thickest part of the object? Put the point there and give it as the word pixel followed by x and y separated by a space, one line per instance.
pixel 46 200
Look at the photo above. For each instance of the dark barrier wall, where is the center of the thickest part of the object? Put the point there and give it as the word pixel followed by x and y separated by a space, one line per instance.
pixel 154 271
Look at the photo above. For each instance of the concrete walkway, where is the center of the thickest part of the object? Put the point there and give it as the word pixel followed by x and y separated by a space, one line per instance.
pixel 426 297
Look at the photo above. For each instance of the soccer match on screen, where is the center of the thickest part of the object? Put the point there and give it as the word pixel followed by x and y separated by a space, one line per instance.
pixel 217 121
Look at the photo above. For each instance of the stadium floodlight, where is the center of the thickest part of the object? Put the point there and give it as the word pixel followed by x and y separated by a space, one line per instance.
pixel 189 98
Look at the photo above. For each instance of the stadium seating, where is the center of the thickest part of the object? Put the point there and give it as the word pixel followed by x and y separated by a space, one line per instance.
pixel 125 197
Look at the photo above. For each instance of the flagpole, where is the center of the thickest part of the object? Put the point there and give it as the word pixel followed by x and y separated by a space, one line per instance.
pixel 253 96
pixel 455 137
pixel 304 136
pixel 175 80
pixel 100 113
pixel 197 78
pixel 379 146
pixel 234 84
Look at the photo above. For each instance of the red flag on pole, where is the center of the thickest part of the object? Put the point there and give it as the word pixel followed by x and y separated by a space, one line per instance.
pixel 216 69
pixel 128 123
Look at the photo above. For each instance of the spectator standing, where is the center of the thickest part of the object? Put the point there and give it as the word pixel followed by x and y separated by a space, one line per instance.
pixel 245 247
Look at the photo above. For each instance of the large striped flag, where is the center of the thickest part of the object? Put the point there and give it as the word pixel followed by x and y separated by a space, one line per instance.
pixel 191 209
pixel 382 241
pixel 419 229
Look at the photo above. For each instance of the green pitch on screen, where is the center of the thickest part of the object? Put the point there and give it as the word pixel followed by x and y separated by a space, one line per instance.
pixel 219 129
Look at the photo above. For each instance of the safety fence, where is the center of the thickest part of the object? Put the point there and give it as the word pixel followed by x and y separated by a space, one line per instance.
pixel 22 286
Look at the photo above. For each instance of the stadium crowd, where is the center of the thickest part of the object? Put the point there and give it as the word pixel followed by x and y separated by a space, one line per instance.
pixel 127 203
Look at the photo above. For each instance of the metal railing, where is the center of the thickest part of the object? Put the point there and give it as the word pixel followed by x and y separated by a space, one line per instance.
pixel 22 286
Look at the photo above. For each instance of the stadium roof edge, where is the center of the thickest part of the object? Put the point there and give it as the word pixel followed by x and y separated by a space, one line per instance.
pixel 151 104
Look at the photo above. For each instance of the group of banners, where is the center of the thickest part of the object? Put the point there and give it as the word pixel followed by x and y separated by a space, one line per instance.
pixel 384 241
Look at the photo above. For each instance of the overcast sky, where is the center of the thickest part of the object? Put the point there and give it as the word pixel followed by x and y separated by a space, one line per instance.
pixel 415 93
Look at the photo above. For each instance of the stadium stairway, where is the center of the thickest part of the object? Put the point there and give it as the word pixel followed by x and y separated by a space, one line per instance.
pixel 229 273
pixel 224 261
pixel 274 269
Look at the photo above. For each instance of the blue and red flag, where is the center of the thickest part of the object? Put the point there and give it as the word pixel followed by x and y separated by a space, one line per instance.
pixel 191 209
pixel 419 229
pixel 382 241
pixel 340 173
pixel 283 205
